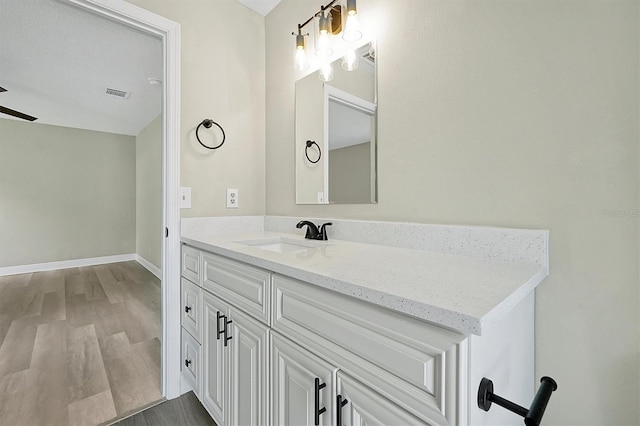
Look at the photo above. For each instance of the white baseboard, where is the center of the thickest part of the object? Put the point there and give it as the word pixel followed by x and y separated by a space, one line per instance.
pixel 64 264
pixel 149 266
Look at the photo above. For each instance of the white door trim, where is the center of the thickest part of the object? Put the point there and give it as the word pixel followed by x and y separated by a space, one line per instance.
pixel 169 32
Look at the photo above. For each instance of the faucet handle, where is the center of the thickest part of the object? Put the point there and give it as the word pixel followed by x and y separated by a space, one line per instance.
pixel 322 235
pixel 312 229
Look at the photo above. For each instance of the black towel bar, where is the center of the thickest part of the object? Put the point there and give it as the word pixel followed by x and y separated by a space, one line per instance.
pixel 532 416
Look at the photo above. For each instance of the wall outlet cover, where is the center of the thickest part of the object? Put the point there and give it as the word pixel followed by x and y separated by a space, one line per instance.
pixel 232 198
pixel 185 197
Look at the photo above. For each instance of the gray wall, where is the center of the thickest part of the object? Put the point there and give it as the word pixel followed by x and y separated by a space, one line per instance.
pixel 222 78
pixel 519 114
pixel 350 174
pixel 149 192
pixel 64 193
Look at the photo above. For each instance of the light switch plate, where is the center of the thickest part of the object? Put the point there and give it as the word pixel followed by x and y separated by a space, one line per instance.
pixel 185 197
pixel 232 198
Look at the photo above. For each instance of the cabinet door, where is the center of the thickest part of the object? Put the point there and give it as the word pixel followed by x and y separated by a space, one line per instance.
pixel 248 363
pixel 215 365
pixel 191 309
pixel 302 385
pixel 191 361
pixel 362 406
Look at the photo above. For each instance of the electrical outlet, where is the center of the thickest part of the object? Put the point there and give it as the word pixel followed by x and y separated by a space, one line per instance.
pixel 232 198
pixel 185 197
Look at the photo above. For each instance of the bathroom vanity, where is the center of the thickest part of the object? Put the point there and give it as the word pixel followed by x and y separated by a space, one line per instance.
pixel 281 330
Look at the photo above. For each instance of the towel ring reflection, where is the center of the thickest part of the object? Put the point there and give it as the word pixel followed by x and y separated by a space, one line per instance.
pixel 306 151
pixel 207 123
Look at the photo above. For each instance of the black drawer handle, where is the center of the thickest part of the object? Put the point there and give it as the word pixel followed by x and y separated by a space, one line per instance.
pixel 341 403
pixel 187 362
pixel 226 329
pixel 187 309
pixel 218 328
pixel 319 410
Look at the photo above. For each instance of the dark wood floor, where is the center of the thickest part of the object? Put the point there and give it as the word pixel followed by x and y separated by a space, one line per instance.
pixel 183 411
pixel 79 346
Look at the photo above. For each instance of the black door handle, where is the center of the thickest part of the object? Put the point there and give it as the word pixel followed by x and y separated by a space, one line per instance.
pixel 187 362
pixel 319 410
pixel 187 309
pixel 220 316
pixel 341 403
pixel 226 329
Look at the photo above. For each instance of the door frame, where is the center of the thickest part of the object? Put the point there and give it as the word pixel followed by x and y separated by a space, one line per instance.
pixel 169 32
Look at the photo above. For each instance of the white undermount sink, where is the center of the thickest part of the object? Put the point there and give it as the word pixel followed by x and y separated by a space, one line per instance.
pixel 280 244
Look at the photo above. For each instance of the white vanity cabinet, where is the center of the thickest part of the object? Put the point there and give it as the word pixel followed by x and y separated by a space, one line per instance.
pixel 235 358
pixel 411 365
pixel 277 350
pixel 191 313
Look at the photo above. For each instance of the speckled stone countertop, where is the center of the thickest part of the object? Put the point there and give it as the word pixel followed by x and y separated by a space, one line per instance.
pixel 462 293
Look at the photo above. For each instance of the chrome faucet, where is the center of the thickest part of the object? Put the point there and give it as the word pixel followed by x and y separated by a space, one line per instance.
pixel 312 230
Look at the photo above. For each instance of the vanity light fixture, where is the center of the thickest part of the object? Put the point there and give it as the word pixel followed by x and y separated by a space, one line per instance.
pixel 323 46
pixel 351 28
pixel 350 60
pixel 326 72
pixel 300 61
pixel 329 21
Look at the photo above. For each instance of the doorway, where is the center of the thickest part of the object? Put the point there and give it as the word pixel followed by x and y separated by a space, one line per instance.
pixel 168 32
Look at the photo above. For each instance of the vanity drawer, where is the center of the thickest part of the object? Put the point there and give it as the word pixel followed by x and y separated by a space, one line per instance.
pixel 191 361
pixel 192 309
pixel 245 286
pixel 396 343
pixel 191 264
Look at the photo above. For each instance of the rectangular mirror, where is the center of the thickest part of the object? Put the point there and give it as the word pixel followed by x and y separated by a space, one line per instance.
pixel 335 135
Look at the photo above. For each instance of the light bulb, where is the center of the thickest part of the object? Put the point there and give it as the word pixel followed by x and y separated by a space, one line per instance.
pixel 300 56
pixel 323 44
pixel 351 28
pixel 326 72
pixel 300 60
pixel 350 60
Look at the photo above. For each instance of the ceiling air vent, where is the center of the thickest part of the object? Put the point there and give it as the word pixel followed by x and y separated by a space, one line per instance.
pixel 118 93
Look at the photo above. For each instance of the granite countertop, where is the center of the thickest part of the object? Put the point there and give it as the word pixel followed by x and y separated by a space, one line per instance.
pixel 462 293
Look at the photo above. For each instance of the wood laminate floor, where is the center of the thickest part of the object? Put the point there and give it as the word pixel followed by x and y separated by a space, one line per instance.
pixel 183 411
pixel 79 346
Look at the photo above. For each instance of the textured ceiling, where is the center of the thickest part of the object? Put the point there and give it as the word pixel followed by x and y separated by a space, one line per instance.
pixel 56 61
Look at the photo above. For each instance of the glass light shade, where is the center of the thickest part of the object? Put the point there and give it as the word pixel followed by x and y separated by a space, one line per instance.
pixel 323 45
pixel 350 60
pixel 326 72
pixel 300 61
pixel 351 29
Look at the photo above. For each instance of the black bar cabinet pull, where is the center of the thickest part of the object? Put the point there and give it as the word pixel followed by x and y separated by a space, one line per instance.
pixel 220 316
pixel 226 329
pixel 187 362
pixel 319 410
pixel 532 416
pixel 341 403
pixel 187 309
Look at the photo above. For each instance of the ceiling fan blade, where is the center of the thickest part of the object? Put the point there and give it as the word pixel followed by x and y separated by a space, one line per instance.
pixel 2 89
pixel 16 114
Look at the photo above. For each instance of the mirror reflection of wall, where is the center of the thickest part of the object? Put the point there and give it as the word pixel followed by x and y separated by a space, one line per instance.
pixel 351 154
pixel 340 116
